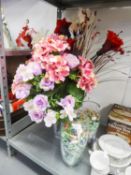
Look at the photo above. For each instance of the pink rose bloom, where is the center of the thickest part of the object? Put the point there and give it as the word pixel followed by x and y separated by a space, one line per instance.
pixel 86 83
pixel 72 60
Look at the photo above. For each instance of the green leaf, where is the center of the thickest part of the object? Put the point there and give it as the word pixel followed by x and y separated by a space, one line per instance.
pixel 73 75
pixel 77 93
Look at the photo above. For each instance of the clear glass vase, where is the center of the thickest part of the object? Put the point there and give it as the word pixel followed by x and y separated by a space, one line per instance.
pixel 92 110
pixel 75 135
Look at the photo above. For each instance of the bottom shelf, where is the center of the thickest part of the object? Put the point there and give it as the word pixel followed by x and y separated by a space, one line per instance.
pixel 3 138
pixel 39 144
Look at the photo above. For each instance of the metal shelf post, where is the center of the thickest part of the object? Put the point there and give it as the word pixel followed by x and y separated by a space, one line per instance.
pixel 4 87
pixel 59 13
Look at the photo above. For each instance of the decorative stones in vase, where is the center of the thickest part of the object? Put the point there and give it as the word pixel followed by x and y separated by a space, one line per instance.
pixel 75 135
pixel 74 138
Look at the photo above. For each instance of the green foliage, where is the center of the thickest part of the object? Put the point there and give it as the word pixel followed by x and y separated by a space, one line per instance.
pixel 73 75
pixel 56 94
pixel 60 91
pixel 77 93
pixel 35 86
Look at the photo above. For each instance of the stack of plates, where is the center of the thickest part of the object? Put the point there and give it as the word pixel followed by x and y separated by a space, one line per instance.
pixel 118 150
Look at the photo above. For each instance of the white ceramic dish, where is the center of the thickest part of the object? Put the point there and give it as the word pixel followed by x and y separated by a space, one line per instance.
pixel 99 161
pixel 128 171
pixel 115 146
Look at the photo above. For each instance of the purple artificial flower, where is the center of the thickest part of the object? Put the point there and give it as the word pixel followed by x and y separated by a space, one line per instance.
pixel 37 116
pixel 22 90
pixel 67 101
pixel 72 60
pixel 68 104
pixel 35 68
pixel 46 84
pixel 41 102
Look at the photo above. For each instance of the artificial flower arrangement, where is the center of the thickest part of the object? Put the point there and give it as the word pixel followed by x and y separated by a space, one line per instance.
pixel 56 79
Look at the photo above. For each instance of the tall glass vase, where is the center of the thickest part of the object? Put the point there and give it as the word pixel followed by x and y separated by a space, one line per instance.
pixel 75 135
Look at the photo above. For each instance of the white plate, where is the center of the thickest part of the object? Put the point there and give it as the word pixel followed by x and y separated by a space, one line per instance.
pixel 115 146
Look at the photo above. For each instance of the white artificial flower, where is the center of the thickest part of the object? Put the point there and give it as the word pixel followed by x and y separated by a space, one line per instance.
pixel 50 118
pixel 28 106
pixel 24 73
pixel 70 113
pixel 63 114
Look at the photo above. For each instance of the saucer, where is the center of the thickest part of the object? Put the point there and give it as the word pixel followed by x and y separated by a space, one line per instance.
pixel 99 161
pixel 115 146
pixel 128 171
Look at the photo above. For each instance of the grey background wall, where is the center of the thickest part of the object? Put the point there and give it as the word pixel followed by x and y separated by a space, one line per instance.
pixel 115 86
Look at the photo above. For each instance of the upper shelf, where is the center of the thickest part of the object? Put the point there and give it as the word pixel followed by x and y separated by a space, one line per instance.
pixel 11 53
pixel 74 3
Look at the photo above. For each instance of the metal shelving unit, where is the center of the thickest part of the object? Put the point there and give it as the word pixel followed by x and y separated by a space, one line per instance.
pixel 17 52
pixel 10 129
pixel 34 140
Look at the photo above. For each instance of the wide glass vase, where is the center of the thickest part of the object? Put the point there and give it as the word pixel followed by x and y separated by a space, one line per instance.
pixel 75 135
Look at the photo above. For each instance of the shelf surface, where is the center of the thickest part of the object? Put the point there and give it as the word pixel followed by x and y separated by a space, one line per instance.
pixel 74 3
pixel 10 53
pixel 39 144
pixel 3 138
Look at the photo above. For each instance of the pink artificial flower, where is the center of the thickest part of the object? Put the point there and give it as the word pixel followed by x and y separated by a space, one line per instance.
pixel 87 78
pixel 86 66
pixel 87 83
pixel 56 68
pixel 54 43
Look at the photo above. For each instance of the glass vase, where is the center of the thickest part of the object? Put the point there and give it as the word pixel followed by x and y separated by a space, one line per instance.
pixel 74 138
pixel 75 135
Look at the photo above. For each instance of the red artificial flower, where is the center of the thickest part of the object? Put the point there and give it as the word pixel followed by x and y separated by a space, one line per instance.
pixel 113 42
pixel 24 37
pixel 71 42
pixel 62 27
